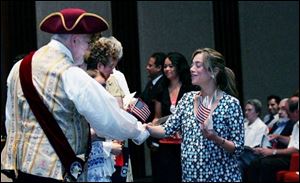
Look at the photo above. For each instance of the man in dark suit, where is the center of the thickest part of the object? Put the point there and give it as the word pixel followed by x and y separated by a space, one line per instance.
pixel 155 75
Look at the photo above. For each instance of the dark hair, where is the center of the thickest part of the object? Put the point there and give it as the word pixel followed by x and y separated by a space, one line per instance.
pixel 277 98
pixel 159 58
pixel 181 65
pixel 225 78
pixel 257 105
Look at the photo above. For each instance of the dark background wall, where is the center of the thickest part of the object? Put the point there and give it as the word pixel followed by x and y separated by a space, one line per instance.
pixel 260 41
pixel 269 48
pixel 173 26
pixel 18 36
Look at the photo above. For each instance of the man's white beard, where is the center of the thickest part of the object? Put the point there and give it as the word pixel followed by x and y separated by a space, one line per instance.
pixel 284 119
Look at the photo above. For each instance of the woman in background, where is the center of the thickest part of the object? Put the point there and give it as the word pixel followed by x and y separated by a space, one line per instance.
pixel 176 82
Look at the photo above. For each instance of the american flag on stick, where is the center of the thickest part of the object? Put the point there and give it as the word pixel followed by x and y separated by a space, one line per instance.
pixel 202 113
pixel 141 110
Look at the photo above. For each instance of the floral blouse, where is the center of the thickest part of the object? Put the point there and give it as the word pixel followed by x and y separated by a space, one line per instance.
pixel 203 160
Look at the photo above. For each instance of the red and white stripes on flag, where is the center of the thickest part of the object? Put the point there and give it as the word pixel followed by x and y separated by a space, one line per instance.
pixel 141 110
pixel 202 113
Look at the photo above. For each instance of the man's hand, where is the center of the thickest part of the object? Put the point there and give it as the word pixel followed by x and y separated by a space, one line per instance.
pixel 263 151
pixel 273 137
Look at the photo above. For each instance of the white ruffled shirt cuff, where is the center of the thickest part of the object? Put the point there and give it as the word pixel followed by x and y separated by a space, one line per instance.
pixel 142 136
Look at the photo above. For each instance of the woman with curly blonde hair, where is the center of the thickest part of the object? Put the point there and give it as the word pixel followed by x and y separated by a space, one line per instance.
pixel 102 58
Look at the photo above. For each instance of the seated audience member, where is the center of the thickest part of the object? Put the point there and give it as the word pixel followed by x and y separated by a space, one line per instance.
pixel 284 126
pixel 264 169
pixel 273 106
pixel 255 129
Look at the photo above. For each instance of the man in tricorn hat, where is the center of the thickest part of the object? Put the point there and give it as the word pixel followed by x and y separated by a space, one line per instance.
pixel 74 99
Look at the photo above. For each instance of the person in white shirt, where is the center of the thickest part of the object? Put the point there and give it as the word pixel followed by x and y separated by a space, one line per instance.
pixel 74 98
pixel 255 128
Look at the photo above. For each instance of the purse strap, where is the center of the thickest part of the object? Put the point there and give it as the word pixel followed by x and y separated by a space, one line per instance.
pixel 72 164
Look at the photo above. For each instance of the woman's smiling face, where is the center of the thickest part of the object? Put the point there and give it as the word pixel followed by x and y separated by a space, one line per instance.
pixel 169 69
pixel 199 73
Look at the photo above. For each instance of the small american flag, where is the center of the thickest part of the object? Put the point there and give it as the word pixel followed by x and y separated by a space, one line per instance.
pixel 141 110
pixel 202 113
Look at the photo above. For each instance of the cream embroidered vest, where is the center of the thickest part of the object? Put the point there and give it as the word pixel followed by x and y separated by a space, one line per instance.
pixel 27 148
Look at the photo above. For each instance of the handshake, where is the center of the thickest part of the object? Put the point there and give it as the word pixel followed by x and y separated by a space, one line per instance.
pixel 140 110
pixel 143 136
pixel 148 129
pixel 154 130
